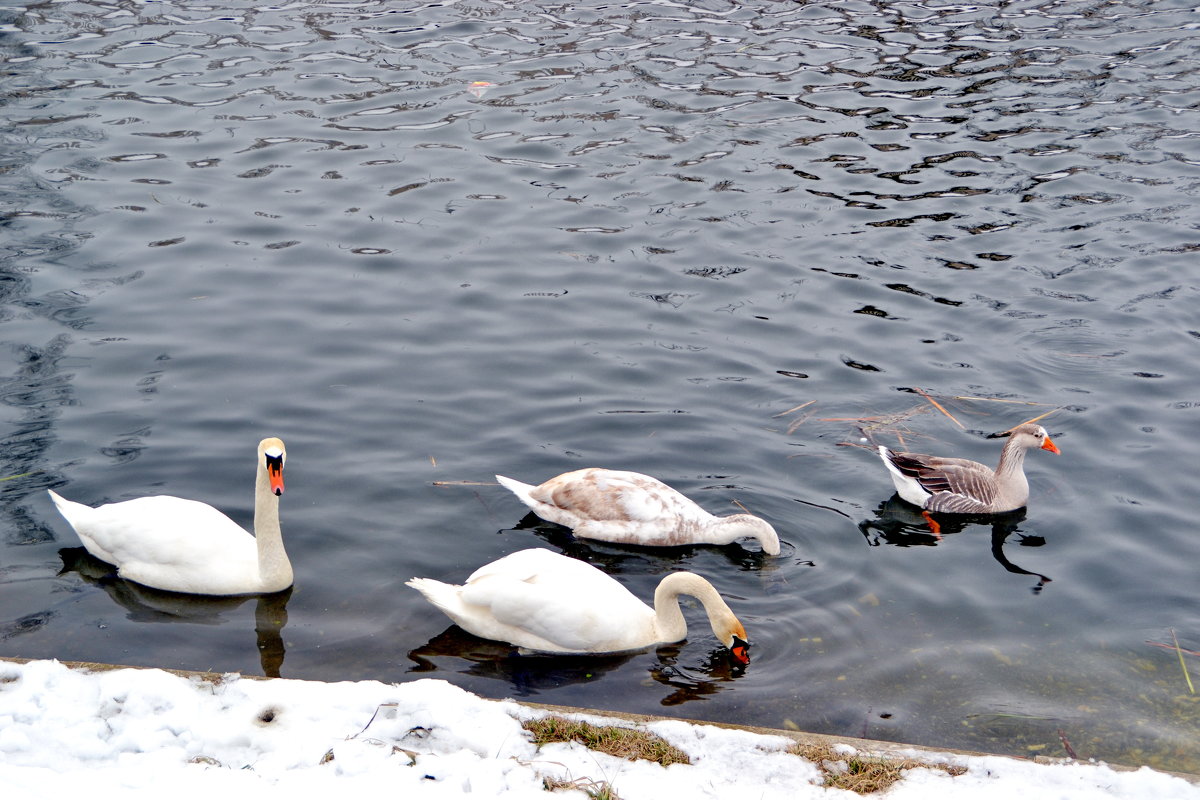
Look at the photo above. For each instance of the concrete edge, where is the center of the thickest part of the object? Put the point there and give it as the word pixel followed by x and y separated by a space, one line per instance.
pixel 873 747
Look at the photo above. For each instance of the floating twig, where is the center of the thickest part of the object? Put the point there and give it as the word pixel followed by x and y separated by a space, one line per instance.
pixel 1040 416
pixel 793 409
pixel 796 423
pixel 1000 400
pixel 1028 421
pixel 1174 647
pixel 939 407
pixel 1066 744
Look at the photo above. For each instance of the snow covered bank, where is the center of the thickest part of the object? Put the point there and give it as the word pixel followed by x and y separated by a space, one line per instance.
pixel 150 732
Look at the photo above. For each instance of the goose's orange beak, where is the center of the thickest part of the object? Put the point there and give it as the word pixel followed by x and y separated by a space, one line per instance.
pixel 1051 446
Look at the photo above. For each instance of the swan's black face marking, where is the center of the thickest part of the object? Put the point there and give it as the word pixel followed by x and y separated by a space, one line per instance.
pixel 274 462
pixel 740 649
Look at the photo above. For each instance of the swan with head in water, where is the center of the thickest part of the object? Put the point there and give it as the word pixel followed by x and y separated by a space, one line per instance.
pixel 187 546
pixel 631 508
pixel 544 602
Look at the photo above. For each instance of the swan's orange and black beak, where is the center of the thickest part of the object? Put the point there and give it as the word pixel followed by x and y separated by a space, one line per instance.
pixel 740 649
pixel 1051 446
pixel 275 473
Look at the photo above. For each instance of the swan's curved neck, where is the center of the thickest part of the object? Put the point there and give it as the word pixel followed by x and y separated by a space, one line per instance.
pixel 274 568
pixel 669 617
pixel 728 530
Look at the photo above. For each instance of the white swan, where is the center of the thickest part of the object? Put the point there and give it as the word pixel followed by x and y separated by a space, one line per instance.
pixel 631 508
pixel 186 546
pixel 545 602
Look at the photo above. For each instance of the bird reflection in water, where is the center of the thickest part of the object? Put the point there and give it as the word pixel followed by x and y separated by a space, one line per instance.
pixel 533 674
pixel 899 523
pixel 145 604
pixel 527 674
pixel 714 675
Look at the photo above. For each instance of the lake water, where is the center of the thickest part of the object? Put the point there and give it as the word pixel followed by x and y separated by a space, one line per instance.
pixel 425 243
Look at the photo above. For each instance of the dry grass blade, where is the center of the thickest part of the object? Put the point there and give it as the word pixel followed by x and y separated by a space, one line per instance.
pixel 597 790
pixel 1182 665
pixel 1033 419
pixel 1174 647
pixel 1041 416
pixel 630 743
pixel 796 423
pixel 863 774
pixel 939 407
pixel 793 409
pixel 999 400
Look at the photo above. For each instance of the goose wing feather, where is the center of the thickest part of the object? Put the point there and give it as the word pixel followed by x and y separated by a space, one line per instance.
pixel 957 485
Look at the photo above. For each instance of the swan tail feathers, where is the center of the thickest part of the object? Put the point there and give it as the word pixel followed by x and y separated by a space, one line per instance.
pixel 521 490
pixel 67 507
pixel 442 595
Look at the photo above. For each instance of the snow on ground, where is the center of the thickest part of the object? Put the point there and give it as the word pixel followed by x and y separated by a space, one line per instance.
pixel 150 733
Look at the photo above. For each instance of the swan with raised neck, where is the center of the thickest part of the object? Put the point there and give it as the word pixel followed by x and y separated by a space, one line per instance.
pixel 183 545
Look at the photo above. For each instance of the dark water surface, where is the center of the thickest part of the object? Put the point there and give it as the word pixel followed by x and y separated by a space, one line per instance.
pixel 693 240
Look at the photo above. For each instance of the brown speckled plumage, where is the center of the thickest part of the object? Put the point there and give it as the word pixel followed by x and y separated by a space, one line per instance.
pixel 631 508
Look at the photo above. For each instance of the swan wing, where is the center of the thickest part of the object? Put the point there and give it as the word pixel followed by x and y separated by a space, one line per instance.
pixel 544 601
pixel 166 542
pixel 602 494
pixel 617 506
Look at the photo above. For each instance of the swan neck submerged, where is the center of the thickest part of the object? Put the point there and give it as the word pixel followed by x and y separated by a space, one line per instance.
pixel 748 526
pixel 274 567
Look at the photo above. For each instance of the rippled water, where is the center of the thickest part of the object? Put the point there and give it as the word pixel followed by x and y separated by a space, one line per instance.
pixel 424 243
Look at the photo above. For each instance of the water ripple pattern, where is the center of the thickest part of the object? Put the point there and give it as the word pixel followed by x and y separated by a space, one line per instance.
pixel 424 243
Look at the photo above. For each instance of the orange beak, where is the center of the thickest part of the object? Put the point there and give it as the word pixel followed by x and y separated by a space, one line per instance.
pixel 1051 446
pixel 275 475
pixel 740 649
